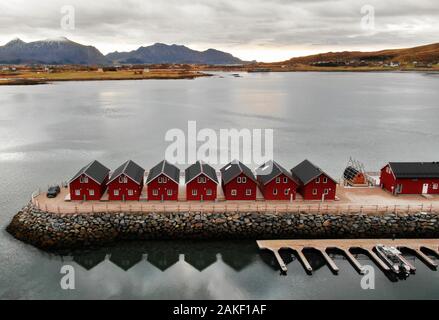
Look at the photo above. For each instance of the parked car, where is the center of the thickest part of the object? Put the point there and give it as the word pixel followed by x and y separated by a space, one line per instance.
pixel 53 191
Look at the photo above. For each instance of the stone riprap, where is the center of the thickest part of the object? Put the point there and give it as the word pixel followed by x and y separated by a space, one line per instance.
pixel 54 231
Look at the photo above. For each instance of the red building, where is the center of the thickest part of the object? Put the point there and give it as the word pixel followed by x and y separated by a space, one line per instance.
pixel 126 182
pixel 410 177
pixel 163 181
pixel 201 182
pixel 315 184
pixel 275 182
pixel 238 182
pixel 90 182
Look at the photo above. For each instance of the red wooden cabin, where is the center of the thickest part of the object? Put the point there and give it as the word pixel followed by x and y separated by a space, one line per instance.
pixel 163 181
pixel 126 182
pixel 201 182
pixel 238 182
pixel 410 177
pixel 90 182
pixel 315 184
pixel 275 182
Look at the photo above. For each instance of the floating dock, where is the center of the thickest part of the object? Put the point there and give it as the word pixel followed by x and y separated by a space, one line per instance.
pixel 365 245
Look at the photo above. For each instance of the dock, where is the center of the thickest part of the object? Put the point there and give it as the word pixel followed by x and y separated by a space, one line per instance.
pixel 365 245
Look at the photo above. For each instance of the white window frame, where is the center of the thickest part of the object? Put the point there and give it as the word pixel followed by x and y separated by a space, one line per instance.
pixel 201 179
pixel 155 192
pixel 170 192
pixel 194 192
pixel 287 191
pixel 209 192
pixel 131 192
pixel 91 192
pixel 248 192
pixel 326 192
pixel 83 179
pixel 123 179
pixel 435 186
pixel 233 192
pixel 244 179
pixel 285 180
pixel 77 192
pixel 325 180
pixel 116 192
pixel 239 180
pixel 318 180
pixel 275 192
pixel 315 191
pixel 278 180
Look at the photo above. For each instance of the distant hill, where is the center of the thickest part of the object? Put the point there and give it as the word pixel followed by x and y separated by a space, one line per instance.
pixel 50 51
pixel 162 53
pixel 423 54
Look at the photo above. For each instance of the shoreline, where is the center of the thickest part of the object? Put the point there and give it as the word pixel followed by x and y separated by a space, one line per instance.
pixel 50 231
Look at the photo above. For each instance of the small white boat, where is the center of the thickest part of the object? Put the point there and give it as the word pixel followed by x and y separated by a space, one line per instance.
pixel 391 257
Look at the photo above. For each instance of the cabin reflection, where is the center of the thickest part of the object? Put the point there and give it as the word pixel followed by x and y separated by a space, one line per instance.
pixel 165 254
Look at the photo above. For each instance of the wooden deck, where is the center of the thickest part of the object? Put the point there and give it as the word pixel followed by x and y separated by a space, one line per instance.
pixel 345 246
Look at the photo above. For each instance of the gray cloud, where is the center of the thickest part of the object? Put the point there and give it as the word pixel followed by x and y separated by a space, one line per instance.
pixel 252 29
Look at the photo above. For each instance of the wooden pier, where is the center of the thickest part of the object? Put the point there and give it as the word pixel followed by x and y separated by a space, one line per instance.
pixel 345 246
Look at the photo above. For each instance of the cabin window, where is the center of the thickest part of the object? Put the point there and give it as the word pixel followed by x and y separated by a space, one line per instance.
pixel 326 192
pixel 287 191
pixel 130 192
pixel 84 179
pixel 314 192
pixel 77 192
pixel 194 192
pixel 116 192
pixel 278 180
pixel 123 179
pixel 201 179
pixel 325 180
pixel 208 192
pixel 169 192
pixel 275 192
pixel 244 179
pixel 435 186
pixel 233 192
pixel 239 180
pixel 91 192
pixel 285 180
pixel 155 192
pixel 248 192
pixel 318 180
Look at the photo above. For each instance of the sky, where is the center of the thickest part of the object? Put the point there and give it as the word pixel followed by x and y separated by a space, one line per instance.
pixel 262 30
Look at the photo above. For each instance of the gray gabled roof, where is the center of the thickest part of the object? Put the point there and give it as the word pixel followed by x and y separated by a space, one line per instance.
pixel 270 170
pixel 164 167
pixel 415 170
pixel 131 170
pixel 95 171
pixel 234 169
pixel 307 171
pixel 199 168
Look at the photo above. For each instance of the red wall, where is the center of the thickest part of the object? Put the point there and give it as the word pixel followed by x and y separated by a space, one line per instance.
pixel 201 189
pixel 267 190
pixel 162 189
pixel 307 190
pixel 240 189
pixel 409 186
pixel 85 189
pixel 123 190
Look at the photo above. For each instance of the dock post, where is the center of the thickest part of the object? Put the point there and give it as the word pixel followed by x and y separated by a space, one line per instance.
pixel 305 262
pixel 330 262
pixel 354 261
pixel 280 261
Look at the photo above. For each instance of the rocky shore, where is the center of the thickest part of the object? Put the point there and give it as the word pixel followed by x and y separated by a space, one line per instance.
pixel 54 232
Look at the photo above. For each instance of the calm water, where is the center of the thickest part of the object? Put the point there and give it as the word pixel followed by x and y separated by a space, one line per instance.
pixel 48 132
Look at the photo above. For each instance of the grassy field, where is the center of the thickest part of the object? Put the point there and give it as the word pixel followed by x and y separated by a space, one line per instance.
pixel 30 78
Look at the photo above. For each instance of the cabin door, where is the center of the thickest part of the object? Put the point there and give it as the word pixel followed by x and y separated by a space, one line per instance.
pixel 425 188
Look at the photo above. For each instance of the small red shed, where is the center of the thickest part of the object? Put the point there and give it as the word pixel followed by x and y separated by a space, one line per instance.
pixel 410 177
pixel 275 182
pixel 201 182
pixel 126 182
pixel 90 182
pixel 238 182
pixel 315 184
pixel 163 182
